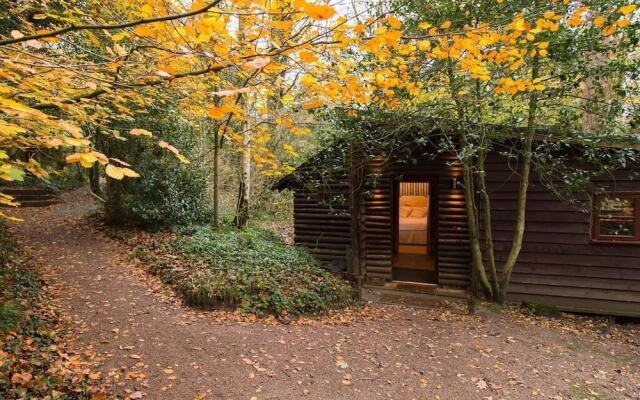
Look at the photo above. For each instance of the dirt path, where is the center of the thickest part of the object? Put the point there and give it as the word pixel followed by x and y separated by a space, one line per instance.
pixel 155 348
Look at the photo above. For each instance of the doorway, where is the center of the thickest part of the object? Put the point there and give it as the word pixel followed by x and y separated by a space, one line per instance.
pixel 413 258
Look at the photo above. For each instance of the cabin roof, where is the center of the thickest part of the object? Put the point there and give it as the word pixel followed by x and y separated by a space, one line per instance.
pixel 334 156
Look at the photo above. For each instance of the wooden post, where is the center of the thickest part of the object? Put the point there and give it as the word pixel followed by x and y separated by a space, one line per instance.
pixel 355 180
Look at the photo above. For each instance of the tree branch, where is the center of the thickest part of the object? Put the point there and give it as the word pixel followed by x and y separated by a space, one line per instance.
pixel 75 28
pixel 101 91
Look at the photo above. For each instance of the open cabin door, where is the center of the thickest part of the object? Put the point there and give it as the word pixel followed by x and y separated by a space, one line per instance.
pixel 413 256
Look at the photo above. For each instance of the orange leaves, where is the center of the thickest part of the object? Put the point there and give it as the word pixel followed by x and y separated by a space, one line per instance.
pixel 599 20
pixel 609 30
pixel 174 150
pixel 143 30
pixel 389 37
pixel 312 104
pixel 167 71
pixel 622 22
pixel 21 378
pixel 628 9
pixel 220 112
pixel 318 12
pixel 307 56
pixel 513 86
pixel 394 22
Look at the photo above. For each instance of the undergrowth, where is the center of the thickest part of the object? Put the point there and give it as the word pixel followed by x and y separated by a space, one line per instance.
pixel 252 270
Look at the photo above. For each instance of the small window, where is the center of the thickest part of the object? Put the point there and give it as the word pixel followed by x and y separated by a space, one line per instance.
pixel 616 217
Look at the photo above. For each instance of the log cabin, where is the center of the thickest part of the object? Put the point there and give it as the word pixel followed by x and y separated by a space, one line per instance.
pixel 397 219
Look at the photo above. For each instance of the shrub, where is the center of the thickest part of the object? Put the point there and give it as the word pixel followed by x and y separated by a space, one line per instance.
pixel 168 192
pixel 252 270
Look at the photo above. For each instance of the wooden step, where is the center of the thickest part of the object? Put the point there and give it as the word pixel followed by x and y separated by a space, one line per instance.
pixel 20 191
pixel 30 196
pixel 38 203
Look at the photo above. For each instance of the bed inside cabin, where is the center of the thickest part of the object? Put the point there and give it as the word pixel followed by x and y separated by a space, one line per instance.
pixel 412 224
pixel 412 260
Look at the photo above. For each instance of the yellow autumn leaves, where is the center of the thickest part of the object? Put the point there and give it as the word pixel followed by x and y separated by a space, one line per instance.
pixel 88 158
pixel 338 62
pixel 318 12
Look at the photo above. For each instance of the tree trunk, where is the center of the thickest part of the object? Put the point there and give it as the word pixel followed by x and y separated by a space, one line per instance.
pixel 216 179
pixel 479 273
pixel 244 192
pixel 486 218
pixel 518 235
pixel 94 179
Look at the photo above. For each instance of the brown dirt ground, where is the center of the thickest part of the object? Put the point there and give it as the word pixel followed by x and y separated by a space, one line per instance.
pixel 153 347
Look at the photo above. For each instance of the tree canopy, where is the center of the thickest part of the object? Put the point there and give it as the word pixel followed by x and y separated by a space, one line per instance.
pixel 69 67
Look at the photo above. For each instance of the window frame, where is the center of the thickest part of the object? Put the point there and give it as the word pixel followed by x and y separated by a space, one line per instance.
pixel 595 219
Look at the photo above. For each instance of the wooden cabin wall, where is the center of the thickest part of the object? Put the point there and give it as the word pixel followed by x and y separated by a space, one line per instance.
pixel 453 255
pixel 325 230
pixel 450 233
pixel 376 217
pixel 558 263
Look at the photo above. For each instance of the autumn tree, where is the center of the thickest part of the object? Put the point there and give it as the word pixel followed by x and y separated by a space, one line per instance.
pixel 70 67
pixel 478 67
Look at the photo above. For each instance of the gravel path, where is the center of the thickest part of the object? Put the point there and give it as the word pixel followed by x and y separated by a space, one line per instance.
pixel 155 348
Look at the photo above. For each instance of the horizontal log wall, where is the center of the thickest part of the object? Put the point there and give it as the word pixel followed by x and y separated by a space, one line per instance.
pixel 377 225
pixel 558 263
pixel 325 230
pixel 453 254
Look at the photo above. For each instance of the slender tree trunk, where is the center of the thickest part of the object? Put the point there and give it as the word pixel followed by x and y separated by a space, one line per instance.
pixel 486 219
pixel 518 235
pixel 94 179
pixel 481 187
pixel 216 178
pixel 244 190
pixel 479 274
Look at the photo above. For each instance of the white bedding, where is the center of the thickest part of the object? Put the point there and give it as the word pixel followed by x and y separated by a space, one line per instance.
pixel 412 227
pixel 413 224
pixel 413 231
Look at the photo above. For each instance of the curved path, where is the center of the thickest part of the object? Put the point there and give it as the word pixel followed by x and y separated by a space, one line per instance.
pixel 155 348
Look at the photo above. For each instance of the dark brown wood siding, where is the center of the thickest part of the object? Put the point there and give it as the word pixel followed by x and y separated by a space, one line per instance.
pixel 377 223
pixel 453 256
pixel 324 226
pixel 558 263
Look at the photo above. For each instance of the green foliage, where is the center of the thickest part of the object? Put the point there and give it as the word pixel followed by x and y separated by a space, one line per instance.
pixel 168 193
pixel 540 309
pixel 11 314
pixel 252 270
pixel 18 286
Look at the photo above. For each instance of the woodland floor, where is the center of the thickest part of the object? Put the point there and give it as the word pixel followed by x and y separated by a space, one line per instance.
pixel 153 347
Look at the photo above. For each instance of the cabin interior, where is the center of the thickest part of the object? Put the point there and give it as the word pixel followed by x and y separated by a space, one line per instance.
pixel 413 258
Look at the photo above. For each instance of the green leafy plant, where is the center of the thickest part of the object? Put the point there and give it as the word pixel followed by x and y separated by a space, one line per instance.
pixel 252 270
